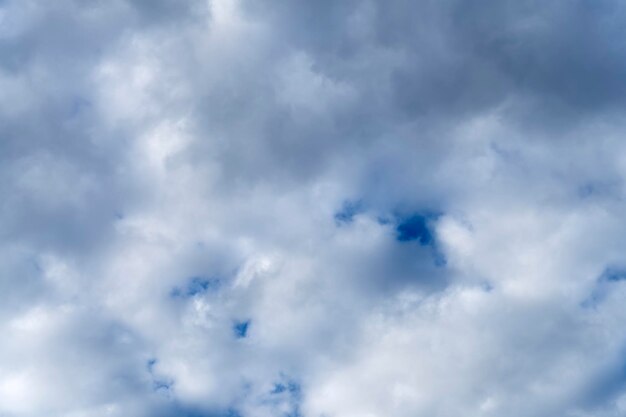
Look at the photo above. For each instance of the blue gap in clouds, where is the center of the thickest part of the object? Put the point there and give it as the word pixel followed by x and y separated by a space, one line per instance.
pixel 610 275
pixel 416 227
pixel 290 392
pixel 613 274
pixel 158 384
pixel 290 387
pixel 195 286
pixel 240 329
pixel 348 211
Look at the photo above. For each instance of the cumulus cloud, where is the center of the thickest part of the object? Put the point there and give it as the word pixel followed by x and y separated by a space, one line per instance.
pixel 312 209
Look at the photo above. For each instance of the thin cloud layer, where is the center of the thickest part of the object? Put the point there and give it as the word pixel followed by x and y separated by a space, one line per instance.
pixel 237 208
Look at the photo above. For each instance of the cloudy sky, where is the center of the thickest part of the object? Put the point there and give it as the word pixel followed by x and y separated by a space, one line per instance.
pixel 312 208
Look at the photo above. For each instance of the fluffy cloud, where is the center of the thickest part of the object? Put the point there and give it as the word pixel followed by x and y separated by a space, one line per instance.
pixel 338 209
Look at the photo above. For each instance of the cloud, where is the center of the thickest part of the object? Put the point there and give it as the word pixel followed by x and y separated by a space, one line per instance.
pixel 350 209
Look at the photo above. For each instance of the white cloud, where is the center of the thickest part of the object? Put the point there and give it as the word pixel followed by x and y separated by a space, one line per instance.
pixel 348 209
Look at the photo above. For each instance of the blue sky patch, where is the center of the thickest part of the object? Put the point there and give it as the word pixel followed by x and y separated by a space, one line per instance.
pixel 159 384
pixel 418 227
pixel 240 329
pixel 415 228
pixel 288 386
pixel 286 393
pixel 196 286
pixel 610 276
pixel 348 211
pixel 614 274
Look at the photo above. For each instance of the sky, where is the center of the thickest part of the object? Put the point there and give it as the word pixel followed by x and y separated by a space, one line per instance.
pixel 298 208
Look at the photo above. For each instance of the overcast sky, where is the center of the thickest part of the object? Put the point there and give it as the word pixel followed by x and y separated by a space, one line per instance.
pixel 312 208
